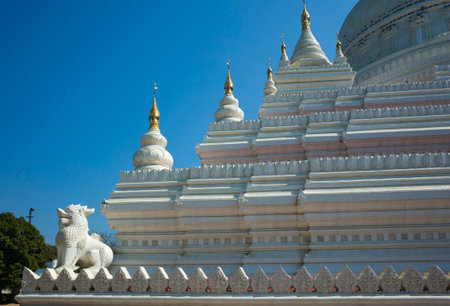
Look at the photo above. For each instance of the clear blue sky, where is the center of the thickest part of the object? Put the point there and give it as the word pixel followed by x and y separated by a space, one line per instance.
pixel 76 82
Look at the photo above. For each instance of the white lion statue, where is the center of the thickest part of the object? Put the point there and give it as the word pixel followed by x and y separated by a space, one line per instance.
pixel 76 249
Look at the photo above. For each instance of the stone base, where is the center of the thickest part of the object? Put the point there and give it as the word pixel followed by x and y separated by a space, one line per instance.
pixel 227 300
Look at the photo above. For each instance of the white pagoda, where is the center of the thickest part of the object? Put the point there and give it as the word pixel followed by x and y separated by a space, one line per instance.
pixel 342 181
pixel 331 174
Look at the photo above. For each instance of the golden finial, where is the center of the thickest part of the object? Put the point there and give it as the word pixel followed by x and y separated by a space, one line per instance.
pixel 228 83
pixel 283 46
pixel 305 17
pixel 153 116
pixel 338 43
pixel 269 71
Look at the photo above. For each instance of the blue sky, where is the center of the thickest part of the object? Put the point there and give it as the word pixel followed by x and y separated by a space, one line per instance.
pixel 76 80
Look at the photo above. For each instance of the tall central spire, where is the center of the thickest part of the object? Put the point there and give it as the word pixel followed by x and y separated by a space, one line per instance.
pixel 307 52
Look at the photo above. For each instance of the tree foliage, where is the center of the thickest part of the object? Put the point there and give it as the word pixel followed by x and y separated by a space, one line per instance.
pixel 52 252
pixel 21 245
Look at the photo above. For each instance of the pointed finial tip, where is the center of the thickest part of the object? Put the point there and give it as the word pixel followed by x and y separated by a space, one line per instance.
pixel 283 46
pixel 305 17
pixel 154 112
pixel 228 87
pixel 338 42
pixel 269 70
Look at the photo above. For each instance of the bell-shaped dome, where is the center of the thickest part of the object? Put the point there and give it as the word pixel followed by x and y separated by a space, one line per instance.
pixel 270 88
pixel 229 106
pixel 152 154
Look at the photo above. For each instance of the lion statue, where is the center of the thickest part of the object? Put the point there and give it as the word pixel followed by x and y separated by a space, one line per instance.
pixel 76 249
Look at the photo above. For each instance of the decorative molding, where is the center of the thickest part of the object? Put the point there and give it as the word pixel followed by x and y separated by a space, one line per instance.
pixel 239 281
pixel 179 281
pixel 323 164
pixel 64 282
pixel 216 171
pixel 83 283
pixel 160 281
pixel 406 111
pixel 29 280
pixel 346 280
pixel 439 84
pixel 260 282
pixel 284 121
pixel 390 282
pixel 436 280
pixel 102 281
pixel 329 116
pixel 352 91
pixel 281 282
pixel 198 281
pixel 384 161
pixel 303 281
pixel 234 125
pixel 367 280
pixel 136 176
pixel 46 282
pixel 324 282
pixel 218 281
pixel 140 282
pixel 320 94
pixel 281 168
pixel 121 281
pixel 412 280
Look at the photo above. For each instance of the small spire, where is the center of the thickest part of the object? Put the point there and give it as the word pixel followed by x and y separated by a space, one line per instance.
pixel 340 57
pixel 269 71
pixel 270 88
pixel 153 116
pixel 283 46
pixel 228 87
pixel 305 17
pixel 338 43
pixel 284 60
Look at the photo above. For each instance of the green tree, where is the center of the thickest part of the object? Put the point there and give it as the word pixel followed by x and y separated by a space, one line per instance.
pixel 21 245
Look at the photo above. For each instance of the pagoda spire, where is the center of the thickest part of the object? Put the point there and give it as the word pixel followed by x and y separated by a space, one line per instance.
pixel 284 60
pixel 228 86
pixel 229 106
pixel 270 88
pixel 152 154
pixel 153 116
pixel 305 18
pixel 308 52
pixel 340 57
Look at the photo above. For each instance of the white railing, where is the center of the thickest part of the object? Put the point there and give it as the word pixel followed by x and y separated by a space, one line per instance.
pixel 302 282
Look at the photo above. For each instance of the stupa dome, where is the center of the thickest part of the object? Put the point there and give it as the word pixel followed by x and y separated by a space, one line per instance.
pixel 152 154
